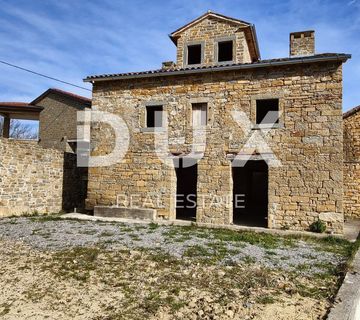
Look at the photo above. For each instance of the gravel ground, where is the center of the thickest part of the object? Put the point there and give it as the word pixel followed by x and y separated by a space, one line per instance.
pixel 47 234
pixel 52 268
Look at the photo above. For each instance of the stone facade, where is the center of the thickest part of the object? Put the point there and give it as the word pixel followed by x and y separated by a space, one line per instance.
pixel 352 163
pixel 207 32
pixel 308 139
pixel 302 43
pixel 31 178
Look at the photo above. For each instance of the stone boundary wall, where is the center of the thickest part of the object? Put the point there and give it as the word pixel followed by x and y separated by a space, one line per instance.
pixel 31 178
pixel 352 163
pixel 352 189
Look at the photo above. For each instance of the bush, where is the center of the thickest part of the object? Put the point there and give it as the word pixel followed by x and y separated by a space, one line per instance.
pixel 318 226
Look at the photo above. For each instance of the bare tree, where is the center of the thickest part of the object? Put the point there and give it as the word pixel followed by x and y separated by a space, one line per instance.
pixel 19 130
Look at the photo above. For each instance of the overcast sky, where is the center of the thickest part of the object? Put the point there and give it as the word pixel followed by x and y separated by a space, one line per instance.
pixel 71 39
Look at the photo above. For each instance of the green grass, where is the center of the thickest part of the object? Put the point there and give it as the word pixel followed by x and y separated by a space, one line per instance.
pixel 45 218
pixel 265 299
pixel 197 251
pixel 153 226
pixel 264 240
pixel 76 263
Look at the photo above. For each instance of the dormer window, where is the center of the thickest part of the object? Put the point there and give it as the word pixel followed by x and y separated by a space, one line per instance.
pixel 194 54
pixel 225 51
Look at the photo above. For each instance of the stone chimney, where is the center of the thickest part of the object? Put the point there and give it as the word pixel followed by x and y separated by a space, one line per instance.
pixel 302 43
pixel 168 65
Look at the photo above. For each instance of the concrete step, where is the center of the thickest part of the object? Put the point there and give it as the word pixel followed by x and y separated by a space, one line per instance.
pixel 123 212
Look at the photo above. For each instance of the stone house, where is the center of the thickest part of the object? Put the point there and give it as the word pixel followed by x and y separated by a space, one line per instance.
pixel 219 73
pixel 352 163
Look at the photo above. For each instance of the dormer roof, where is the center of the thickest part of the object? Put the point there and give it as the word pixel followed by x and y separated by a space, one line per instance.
pixel 248 28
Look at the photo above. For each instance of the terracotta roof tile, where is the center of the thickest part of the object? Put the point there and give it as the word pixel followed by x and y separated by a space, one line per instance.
pixel 261 63
pixel 63 93
pixel 351 112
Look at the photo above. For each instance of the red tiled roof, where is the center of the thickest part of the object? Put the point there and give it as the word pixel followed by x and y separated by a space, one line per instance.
pixel 351 112
pixel 224 67
pixel 85 100
pixel 14 104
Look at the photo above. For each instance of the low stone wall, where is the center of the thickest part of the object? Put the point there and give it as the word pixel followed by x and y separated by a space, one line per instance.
pixel 352 163
pixel 352 189
pixel 31 178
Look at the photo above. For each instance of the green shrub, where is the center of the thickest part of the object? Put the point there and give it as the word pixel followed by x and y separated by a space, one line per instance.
pixel 318 226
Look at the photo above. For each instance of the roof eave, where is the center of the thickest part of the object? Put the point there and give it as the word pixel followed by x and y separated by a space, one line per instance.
pixel 303 60
pixel 84 100
pixel 351 112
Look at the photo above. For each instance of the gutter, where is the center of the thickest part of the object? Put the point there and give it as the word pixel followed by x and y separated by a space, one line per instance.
pixel 303 60
pixel 257 49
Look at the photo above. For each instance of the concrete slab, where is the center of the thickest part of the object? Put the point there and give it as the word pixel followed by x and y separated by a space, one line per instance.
pixel 123 212
pixel 347 302
pixel 351 229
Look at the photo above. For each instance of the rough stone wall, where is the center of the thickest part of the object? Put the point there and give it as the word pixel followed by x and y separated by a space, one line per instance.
pixel 208 31
pixel 302 43
pixel 352 165
pixel 308 185
pixel 31 178
pixel 58 121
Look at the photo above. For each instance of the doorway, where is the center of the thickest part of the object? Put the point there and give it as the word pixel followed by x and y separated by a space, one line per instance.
pixel 186 190
pixel 250 194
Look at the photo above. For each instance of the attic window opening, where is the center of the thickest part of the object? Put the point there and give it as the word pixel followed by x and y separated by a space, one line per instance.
pixel 267 111
pixel 154 116
pixel 225 51
pixel 194 54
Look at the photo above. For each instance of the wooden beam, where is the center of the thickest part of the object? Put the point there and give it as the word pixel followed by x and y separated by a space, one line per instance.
pixel 6 127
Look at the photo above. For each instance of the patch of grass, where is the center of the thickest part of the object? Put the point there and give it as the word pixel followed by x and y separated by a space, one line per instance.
pixel 249 260
pixel 134 237
pixel 264 240
pixel 196 251
pixel 125 229
pixel 270 253
pixel 265 299
pixel 318 226
pixel 36 232
pixel 9 221
pixel 76 263
pixel 302 267
pixel 139 227
pixel 45 218
pixel 153 226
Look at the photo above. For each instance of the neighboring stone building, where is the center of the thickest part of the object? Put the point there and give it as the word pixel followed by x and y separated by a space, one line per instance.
pixel 58 130
pixel 352 163
pixel 218 71
pixel 58 119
